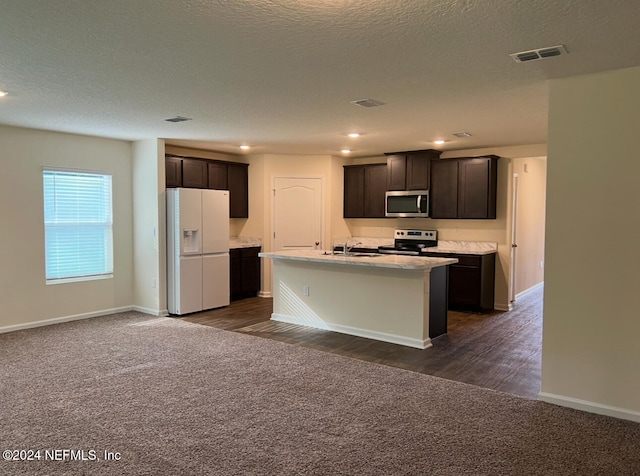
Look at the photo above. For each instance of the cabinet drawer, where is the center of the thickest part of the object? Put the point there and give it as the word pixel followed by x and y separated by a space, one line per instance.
pixel 463 260
pixel 468 260
pixel 249 252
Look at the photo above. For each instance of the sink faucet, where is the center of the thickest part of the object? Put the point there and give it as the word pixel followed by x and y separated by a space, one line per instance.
pixel 347 248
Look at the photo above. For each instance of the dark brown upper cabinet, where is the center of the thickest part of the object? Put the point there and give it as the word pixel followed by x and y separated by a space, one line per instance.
pixel 218 175
pixel 238 184
pixel 364 190
pixel 464 188
pixel 409 170
pixel 375 184
pixel 194 173
pixel 173 171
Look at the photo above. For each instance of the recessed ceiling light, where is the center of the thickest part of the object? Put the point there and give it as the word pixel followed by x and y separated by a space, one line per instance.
pixel 345 151
pixel 245 147
pixel 3 93
pixel 354 134
pixel 438 142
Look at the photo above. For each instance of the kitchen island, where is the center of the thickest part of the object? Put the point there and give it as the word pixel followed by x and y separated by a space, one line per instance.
pixel 391 298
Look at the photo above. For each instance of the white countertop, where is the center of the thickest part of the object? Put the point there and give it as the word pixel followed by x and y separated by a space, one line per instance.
pixel 379 261
pixel 444 246
pixel 244 242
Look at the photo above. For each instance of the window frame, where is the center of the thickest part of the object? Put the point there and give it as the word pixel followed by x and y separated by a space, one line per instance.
pixel 106 224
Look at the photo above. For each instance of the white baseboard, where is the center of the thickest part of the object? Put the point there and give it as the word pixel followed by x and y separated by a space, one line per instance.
pixel 355 331
pixel 503 307
pixel 153 312
pixel 58 320
pixel 265 294
pixel 590 407
pixel 509 307
pixel 533 288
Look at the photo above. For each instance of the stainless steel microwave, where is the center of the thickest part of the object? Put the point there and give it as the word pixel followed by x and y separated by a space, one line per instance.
pixel 407 203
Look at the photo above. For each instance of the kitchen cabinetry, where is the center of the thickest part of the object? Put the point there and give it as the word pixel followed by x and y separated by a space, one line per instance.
pixel 173 171
pixel 364 190
pixel 217 172
pixel 409 170
pixel 192 172
pixel 244 272
pixel 471 281
pixel 238 185
pixel 463 188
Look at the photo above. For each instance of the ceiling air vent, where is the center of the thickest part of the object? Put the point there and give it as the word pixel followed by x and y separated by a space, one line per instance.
pixel 540 53
pixel 178 119
pixel 367 102
pixel 462 134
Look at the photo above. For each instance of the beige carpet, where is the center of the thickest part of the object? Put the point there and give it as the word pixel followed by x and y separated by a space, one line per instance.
pixel 173 398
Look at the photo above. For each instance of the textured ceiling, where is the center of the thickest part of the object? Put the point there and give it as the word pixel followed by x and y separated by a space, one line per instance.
pixel 280 74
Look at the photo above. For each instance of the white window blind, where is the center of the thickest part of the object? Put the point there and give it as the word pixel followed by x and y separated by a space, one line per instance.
pixel 78 225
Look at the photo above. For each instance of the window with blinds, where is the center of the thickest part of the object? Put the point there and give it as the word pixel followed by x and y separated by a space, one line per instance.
pixel 78 225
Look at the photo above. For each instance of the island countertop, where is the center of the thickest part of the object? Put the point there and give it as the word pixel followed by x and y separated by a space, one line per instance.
pixel 362 259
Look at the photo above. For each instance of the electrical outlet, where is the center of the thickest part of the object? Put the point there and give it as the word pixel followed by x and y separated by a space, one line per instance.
pixel 541 264
pixel 305 290
pixel 154 282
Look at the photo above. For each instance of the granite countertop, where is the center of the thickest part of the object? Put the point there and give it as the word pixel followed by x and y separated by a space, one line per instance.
pixel 444 246
pixel 244 242
pixel 464 247
pixel 362 259
pixel 365 242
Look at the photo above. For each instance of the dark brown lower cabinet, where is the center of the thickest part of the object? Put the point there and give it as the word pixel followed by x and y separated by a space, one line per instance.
pixel 245 272
pixel 471 281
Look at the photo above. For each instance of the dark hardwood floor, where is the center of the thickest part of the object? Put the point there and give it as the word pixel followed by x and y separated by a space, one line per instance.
pixel 498 350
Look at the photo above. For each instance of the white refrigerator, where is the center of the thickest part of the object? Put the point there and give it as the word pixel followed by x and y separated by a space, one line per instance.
pixel 197 249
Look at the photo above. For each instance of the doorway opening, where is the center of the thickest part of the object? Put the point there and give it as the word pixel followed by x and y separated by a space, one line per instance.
pixel 527 226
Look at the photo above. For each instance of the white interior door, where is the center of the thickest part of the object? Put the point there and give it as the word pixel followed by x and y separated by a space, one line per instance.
pixel 297 213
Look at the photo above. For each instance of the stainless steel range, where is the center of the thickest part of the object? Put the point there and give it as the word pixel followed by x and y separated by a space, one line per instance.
pixel 410 242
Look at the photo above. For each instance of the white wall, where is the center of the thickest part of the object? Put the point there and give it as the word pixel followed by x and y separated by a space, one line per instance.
pixel 530 222
pixel 149 227
pixel 591 331
pixel 24 295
